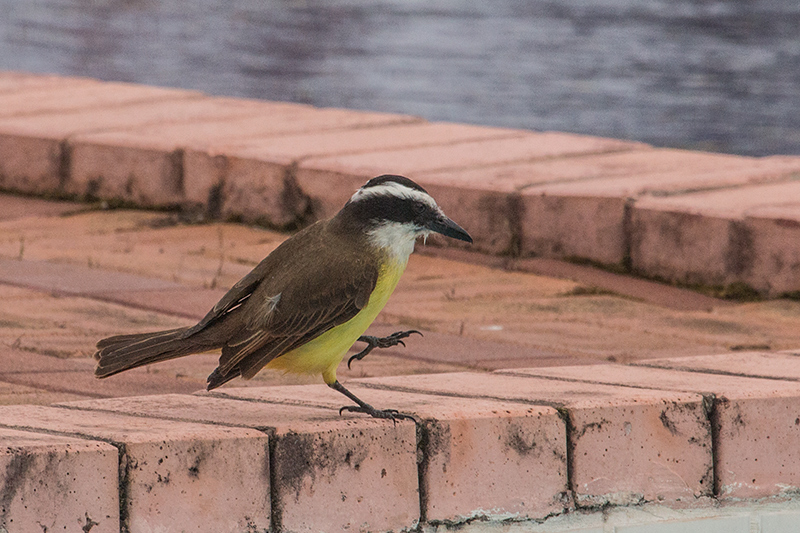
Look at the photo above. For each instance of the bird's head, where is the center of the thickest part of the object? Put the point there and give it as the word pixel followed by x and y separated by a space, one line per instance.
pixel 394 211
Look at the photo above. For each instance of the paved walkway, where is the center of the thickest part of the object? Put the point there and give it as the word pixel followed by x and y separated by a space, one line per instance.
pixel 541 386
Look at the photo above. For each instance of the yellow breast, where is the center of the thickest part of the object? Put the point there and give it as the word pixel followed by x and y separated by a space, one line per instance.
pixel 323 354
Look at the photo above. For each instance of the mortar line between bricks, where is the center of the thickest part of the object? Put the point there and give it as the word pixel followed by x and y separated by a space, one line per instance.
pixel 713 371
pixel 299 160
pixel 535 159
pixel 269 430
pixel 100 296
pixel 711 408
pixel 57 389
pixel 293 403
pixel 589 381
pixel 68 137
pixel 74 434
pixel 396 388
pixel 189 95
pixel 121 457
pixel 322 129
pixel 141 307
pixel 38 372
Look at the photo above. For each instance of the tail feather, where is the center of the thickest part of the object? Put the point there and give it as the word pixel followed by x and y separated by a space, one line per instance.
pixel 216 378
pixel 123 352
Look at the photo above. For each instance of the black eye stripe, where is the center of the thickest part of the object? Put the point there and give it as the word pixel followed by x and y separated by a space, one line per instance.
pixel 389 208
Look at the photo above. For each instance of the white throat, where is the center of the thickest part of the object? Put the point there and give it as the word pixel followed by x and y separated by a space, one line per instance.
pixel 394 238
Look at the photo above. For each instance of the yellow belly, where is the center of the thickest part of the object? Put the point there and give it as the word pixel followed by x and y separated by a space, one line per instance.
pixel 323 354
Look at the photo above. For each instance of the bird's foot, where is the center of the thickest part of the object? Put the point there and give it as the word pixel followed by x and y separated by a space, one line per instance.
pixel 386 414
pixel 381 342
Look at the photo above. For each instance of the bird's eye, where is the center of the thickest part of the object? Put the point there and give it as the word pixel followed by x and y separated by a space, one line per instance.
pixel 418 208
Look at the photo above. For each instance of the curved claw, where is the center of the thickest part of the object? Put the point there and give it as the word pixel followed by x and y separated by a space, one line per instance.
pixel 359 356
pixel 381 342
pixel 386 414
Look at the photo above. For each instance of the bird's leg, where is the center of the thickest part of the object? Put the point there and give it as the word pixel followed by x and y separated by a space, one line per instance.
pixel 381 342
pixel 364 407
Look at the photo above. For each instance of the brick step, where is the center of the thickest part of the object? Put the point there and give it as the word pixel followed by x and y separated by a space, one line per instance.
pixel 686 217
pixel 521 444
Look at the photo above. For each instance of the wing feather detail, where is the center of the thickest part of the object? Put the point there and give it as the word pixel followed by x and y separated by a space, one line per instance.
pixel 280 308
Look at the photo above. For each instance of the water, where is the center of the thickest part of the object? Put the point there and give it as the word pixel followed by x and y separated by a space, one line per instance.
pixel 718 75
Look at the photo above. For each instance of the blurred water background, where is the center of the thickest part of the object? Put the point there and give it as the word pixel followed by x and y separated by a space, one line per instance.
pixel 719 75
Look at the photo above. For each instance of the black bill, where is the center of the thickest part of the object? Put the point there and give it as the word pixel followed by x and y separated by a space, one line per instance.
pixel 448 228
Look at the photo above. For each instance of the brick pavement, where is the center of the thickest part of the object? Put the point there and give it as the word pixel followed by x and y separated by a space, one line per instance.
pixel 658 421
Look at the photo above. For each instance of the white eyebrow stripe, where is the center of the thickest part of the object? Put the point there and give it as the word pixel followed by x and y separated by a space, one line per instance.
pixel 392 188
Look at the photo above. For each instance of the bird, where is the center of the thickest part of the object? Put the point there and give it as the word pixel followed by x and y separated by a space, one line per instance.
pixel 310 300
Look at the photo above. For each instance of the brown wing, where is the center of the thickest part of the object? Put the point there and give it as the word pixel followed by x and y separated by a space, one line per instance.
pixel 327 283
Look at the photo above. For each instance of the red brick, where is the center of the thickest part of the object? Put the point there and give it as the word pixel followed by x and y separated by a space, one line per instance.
pixel 462 350
pixel 333 473
pixel 640 163
pixel 32 146
pixel 53 483
pixel 626 445
pixel 76 376
pixel 145 164
pixel 575 207
pixel 637 288
pixel 770 365
pixel 481 457
pixel 586 218
pixel 73 279
pixel 721 237
pixel 177 476
pixel 251 176
pixel 77 93
pixel 330 181
pixel 187 302
pixel 13 394
pixel 573 227
pixel 755 419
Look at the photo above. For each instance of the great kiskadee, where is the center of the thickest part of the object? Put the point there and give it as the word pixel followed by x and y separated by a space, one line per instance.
pixel 303 307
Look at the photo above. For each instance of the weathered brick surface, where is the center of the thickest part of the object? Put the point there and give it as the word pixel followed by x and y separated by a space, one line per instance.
pixel 625 445
pixel 327 179
pixel 332 473
pixel 640 163
pixel 79 93
pixel 253 178
pixel 746 235
pixel 770 365
pixel 72 279
pixel 33 149
pixel 174 476
pixel 479 457
pixel 576 207
pixel 517 192
pixel 580 209
pixel 54 483
pixel 145 164
pixel 581 212
pixel 755 420
pixel 579 227
pixel 621 448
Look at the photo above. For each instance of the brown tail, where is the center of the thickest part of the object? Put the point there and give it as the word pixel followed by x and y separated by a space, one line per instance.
pixel 123 352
